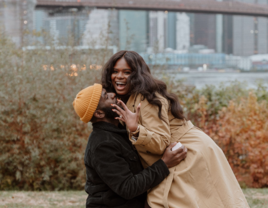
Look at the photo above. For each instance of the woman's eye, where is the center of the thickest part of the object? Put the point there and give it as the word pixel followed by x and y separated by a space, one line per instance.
pixel 114 72
pixel 127 72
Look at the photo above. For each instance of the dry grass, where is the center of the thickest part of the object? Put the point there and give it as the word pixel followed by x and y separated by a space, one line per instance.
pixel 257 198
pixel 21 199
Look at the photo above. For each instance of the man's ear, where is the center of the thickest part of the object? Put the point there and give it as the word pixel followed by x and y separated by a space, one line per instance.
pixel 99 114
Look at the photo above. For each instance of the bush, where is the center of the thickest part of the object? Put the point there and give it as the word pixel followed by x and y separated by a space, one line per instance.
pixel 236 118
pixel 242 133
pixel 42 140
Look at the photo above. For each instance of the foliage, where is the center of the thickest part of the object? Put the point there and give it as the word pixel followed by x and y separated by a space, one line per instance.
pixel 242 133
pixel 42 140
pixel 235 117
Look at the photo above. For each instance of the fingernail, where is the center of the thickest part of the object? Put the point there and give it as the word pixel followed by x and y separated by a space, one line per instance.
pixel 112 104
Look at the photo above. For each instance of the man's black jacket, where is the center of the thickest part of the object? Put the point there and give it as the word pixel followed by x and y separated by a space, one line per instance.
pixel 115 176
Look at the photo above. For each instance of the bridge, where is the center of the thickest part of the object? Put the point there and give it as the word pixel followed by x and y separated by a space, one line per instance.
pixel 195 6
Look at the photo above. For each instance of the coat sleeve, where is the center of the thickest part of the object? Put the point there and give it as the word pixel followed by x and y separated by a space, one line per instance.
pixel 115 171
pixel 154 133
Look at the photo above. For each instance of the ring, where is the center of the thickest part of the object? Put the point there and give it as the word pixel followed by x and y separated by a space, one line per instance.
pixel 120 116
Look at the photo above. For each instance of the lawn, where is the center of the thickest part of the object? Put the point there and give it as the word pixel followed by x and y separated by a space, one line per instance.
pixel 257 198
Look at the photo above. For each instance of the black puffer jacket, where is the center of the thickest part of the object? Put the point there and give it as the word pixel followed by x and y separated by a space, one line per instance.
pixel 115 176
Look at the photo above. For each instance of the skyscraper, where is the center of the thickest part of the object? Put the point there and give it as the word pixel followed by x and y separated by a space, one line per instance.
pixel 250 33
pixel 182 31
pixel 205 30
pixel 262 32
pixel 61 24
pixel 169 30
pixel 16 18
pixel 133 30
pixel 227 34
pixel 97 27
pixel 172 30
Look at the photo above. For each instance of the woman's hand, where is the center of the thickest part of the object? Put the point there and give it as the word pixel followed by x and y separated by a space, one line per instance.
pixel 130 119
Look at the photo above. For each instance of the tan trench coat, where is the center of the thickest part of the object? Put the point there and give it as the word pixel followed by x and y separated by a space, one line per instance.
pixel 203 180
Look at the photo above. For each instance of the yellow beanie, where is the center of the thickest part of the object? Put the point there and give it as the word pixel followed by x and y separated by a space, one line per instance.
pixel 86 102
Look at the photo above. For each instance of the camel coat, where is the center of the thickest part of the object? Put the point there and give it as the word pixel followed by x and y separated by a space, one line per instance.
pixel 203 180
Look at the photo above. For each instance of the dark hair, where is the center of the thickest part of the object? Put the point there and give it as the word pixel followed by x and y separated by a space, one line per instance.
pixel 141 82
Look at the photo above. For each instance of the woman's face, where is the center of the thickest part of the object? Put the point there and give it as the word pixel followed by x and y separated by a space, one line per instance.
pixel 119 77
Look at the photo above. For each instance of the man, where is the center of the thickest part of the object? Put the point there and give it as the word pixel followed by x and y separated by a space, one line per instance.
pixel 115 177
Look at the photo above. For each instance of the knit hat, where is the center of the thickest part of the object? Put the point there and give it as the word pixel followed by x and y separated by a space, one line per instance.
pixel 86 102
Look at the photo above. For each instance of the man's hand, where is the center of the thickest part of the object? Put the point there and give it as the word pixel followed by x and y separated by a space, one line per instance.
pixel 173 158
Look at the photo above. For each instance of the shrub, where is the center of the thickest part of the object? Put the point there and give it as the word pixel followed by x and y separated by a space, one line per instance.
pixel 242 133
pixel 41 138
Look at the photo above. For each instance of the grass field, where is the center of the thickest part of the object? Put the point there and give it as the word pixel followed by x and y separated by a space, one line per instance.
pixel 257 198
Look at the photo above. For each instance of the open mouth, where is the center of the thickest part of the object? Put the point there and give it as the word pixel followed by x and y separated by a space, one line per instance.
pixel 121 85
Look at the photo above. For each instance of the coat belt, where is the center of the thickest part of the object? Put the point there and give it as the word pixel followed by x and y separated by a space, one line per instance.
pixel 179 133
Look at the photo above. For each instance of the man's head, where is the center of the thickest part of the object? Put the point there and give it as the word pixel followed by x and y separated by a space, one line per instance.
pixel 94 104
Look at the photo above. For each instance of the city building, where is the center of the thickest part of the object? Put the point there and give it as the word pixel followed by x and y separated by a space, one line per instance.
pixel 102 27
pixel 204 30
pixel 139 30
pixel 182 31
pixel 169 30
pixel 16 19
pixel 61 24
pixel 157 30
pixel 250 33
pixel 133 30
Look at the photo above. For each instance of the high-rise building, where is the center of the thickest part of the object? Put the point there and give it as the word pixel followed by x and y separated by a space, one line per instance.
pixel 153 25
pixel 250 33
pixel 96 27
pixel 227 34
pixel 61 24
pixel 133 30
pixel 182 31
pixel 101 27
pixel 205 30
pixel 172 30
pixel 243 35
pixel 158 25
pixel 16 17
pixel 262 31
pixel 169 30
pixel 138 30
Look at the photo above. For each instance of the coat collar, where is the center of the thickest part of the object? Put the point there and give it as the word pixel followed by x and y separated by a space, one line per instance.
pixel 133 102
pixel 108 127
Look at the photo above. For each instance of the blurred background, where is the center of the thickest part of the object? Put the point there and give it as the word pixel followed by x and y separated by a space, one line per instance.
pixel 199 35
pixel 212 54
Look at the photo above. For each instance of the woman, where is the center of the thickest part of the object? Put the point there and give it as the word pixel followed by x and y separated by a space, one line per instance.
pixel 204 179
